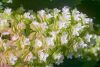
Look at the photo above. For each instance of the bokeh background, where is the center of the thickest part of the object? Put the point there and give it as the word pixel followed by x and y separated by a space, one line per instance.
pixel 89 7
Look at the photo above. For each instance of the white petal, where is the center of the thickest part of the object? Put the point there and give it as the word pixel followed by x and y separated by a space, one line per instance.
pixel 7 10
pixel 42 13
pixel 5 33
pixel 88 37
pixel 59 57
pixel 12 59
pixel 43 56
pixel 35 23
pixel 38 43
pixel 15 37
pixel 26 41
pixel 62 24
pixel 50 41
pixel 27 15
pixel 64 39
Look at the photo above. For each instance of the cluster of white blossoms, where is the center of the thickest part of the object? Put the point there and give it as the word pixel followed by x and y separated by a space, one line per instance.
pixel 46 37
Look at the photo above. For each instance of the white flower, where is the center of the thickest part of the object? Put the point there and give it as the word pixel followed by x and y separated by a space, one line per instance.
pixel 41 13
pixel 67 17
pixel 59 57
pixel 0 39
pixel 5 46
pixel 5 33
pixel 50 41
pixel 43 56
pixel 75 32
pixel 29 57
pixel 21 25
pixel 62 25
pixel 9 1
pixel 64 39
pixel 54 33
pixel 82 45
pixel 76 15
pixel 65 10
pixel 44 25
pixel 15 37
pixel 27 15
pixel 88 37
pixel 56 12
pixel 12 59
pixel 38 42
pixel 83 16
pixel 49 16
pixel 93 40
pixel 95 36
pixel 66 13
pixel 85 19
pixel 35 23
pixel 26 41
pixel 88 20
pixel 3 22
pixel 77 29
pixel 7 10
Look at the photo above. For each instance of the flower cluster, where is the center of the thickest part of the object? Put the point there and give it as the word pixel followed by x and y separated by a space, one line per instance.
pixel 46 37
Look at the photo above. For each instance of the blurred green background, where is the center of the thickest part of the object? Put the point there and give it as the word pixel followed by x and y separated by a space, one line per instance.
pixel 89 7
